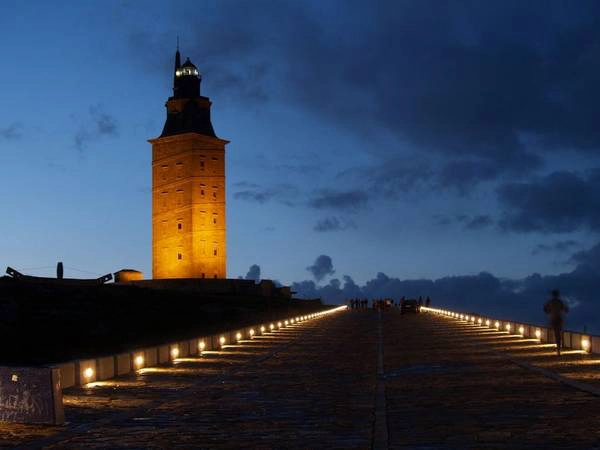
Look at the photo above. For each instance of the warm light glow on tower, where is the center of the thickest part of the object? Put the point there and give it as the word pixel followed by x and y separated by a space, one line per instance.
pixel 188 186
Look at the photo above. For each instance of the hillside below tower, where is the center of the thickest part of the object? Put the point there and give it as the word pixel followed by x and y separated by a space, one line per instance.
pixel 188 185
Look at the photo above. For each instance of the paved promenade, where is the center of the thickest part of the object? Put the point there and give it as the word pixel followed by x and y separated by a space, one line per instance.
pixel 356 379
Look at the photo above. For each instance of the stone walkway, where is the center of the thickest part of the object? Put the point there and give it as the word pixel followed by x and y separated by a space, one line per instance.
pixel 441 384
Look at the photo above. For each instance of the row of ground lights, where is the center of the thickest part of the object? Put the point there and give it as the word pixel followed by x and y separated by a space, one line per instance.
pixel 139 362
pixel 495 324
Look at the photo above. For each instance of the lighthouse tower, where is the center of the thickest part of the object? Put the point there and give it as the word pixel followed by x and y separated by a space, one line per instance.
pixel 188 185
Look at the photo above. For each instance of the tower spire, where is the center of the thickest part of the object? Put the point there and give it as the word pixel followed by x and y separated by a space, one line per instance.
pixel 177 59
pixel 177 67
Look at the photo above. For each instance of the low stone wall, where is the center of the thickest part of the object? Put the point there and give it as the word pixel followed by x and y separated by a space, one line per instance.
pixel 231 286
pixel 543 334
pixel 84 371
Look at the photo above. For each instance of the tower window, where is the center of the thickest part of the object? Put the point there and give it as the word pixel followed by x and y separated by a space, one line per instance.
pixel 203 275
pixel 201 191
pixel 215 195
pixel 179 256
pixel 202 164
pixel 179 226
pixel 215 220
pixel 215 252
pixel 215 276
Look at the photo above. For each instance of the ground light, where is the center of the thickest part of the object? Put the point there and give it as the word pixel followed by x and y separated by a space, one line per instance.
pixel 262 329
pixel 585 344
pixel 222 341
pixel 139 361
pixel 88 373
pixel 201 346
pixel 538 333
pixel 508 327
pixel 174 353
pixel 251 332
pixel 497 325
pixel 238 337
pixel 521 330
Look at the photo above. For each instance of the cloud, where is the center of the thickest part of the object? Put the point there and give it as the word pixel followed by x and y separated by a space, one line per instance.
pixel 103 123
pixel 245 83
pixel 466 175
pixel 479 222
pixel 303 169
pixel 252 192
pixel 489 88
pixel 589 259
pixel 322 267
pixel 476 222
pixel 555 247
pixel 392 178
pixel 560 202
pixel 12 132
pixel 253 273
pixel 333 224
pixel 258 196
pixel 98 125
pixel 339 200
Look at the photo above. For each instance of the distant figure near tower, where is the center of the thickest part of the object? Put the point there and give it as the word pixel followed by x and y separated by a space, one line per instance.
pixel 188 185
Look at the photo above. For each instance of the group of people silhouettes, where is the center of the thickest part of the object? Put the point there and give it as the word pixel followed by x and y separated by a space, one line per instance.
pixel 379 303
pixel 358 303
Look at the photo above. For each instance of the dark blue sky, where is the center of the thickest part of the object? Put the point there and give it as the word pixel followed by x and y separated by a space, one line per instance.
pixel 419 139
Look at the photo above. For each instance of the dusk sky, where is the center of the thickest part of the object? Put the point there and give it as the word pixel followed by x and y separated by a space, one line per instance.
pixel 417 139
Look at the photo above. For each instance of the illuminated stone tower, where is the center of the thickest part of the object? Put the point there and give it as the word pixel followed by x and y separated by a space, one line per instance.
pixel 188 185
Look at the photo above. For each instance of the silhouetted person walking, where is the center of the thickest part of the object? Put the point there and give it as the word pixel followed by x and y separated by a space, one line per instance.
pixel 555 308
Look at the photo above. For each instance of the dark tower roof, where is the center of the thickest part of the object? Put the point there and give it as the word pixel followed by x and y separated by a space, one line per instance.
pixel 187 110
pixel 188 63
